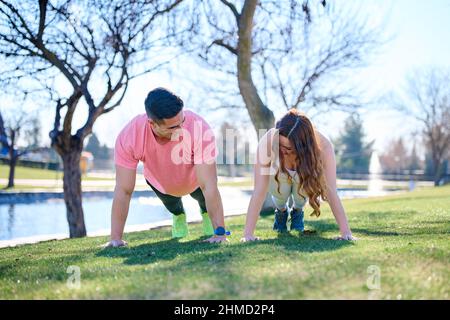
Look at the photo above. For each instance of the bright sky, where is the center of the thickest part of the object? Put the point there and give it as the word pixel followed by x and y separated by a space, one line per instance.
pixel 420 32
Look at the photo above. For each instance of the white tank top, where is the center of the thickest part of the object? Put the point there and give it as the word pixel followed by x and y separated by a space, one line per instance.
pixel 292 173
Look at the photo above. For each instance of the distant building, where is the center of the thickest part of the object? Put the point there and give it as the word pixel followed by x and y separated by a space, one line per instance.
pixel 86 161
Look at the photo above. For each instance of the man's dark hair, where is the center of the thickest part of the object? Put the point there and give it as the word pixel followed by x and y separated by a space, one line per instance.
pixel 162 104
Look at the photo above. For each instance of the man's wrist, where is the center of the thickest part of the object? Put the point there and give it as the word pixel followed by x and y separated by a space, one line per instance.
pixel 221 232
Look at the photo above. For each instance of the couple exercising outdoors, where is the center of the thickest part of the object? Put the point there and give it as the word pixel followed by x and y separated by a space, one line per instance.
pixel 295 164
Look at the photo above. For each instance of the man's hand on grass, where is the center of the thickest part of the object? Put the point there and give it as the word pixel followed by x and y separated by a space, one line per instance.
pixel 216 239
pixel 115 244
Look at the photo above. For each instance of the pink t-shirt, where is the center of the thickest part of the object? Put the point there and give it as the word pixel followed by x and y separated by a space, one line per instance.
pixel 169 167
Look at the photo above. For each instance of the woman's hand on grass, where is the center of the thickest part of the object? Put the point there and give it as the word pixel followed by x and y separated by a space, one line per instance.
pixel 115 244
pixel 216 239
pixel 346 236
pixel 247 238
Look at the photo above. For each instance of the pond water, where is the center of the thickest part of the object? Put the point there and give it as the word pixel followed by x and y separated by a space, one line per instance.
pixel 49 217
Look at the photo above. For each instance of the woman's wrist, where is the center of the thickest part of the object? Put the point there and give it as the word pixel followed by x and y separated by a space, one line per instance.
pixel 248 233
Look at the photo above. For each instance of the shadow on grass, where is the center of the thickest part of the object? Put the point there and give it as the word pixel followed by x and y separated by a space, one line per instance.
pixel 170 249
pixel 302 243
pixel 49 267
pixel 324 225
pixel 163 250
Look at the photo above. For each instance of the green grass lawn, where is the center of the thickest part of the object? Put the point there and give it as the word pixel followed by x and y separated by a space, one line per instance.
pixel 405 236
pixel 35 173
pixel 33 188
pixel 30 173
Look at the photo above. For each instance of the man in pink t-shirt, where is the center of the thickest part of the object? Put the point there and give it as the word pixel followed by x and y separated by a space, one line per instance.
pixel 177 148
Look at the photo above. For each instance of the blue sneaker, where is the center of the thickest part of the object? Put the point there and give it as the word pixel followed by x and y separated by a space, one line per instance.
pixel 280 224
pixel 297 222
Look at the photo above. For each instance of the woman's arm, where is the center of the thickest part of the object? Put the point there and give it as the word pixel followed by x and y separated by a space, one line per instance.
pixel 329 162
pixel 261 185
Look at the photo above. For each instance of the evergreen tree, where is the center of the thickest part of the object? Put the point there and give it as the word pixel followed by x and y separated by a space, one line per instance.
pixel 33 133
pixel 98 150
pixel 93 145
pixel 353 154
pixel 429 167
pixel 414 161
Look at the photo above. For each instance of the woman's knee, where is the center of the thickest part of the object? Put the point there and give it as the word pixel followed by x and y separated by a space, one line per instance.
pixel 299 200
pixel 279 202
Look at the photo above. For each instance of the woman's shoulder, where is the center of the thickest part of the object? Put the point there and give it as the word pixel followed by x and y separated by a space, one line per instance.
pixel 266 147
pixel 267 139
pixel 323 140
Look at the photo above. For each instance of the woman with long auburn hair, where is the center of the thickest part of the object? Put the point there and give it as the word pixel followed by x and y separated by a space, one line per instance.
pixel 295 161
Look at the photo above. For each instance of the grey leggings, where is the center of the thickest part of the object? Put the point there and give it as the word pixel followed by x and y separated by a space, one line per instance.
pixel 288 189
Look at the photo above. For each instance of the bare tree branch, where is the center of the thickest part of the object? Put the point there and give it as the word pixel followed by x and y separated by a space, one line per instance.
pixel 233 9
pixel 80 41
pixel 221 43
pixel 428 101
pixel 300 48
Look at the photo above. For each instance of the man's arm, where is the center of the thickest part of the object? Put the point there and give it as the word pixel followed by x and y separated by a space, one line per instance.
pixel 125 182
pixel 207 179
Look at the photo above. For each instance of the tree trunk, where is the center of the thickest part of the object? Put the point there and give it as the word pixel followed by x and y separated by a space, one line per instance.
pixel 12 169
pixel 12 160
pixel 437 173
pixel 72 192
pixel 261 116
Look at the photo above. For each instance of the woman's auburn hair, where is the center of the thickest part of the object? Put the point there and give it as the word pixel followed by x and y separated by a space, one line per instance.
pixel 297 127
